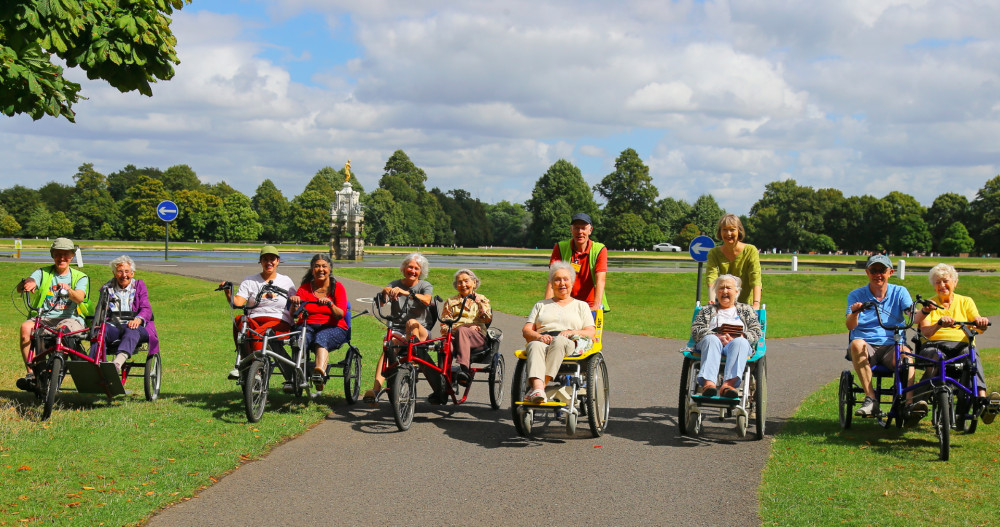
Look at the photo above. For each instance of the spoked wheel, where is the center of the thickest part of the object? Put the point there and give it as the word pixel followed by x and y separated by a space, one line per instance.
pixel 517 389
pixel 942 421
pixel 255 385
pixel 496 382
pixel 403 396
pixel 151 377
pixel 48 384
pixel 845 397
pixel 760 396
pixel 598 392
pixel 682 398
pixel 352 375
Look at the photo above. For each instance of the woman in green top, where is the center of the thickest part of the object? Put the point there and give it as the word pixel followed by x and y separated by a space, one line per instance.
pixel 736 258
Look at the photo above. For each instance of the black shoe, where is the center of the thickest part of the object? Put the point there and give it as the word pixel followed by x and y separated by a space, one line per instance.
pixel 288 387
pixel 435 398
pixel 26 383
pixel 462 377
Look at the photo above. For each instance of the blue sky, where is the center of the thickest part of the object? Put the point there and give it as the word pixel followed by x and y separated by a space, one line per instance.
pixel 867 96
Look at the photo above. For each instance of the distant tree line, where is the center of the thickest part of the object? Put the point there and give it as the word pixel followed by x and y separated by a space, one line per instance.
pixel 401 211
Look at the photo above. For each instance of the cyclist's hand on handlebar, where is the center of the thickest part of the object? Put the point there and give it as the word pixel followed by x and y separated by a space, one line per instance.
pixel 224 286
pixel 946 321
pixel 27 285
pixel 857 306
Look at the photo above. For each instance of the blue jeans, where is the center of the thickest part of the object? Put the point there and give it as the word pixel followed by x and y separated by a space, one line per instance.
pixel 712 350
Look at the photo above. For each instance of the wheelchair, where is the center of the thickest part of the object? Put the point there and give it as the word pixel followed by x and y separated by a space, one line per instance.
pixel 401 362
pixel 752 400
pixel 54 353
pixel 582 389
pixel 953 389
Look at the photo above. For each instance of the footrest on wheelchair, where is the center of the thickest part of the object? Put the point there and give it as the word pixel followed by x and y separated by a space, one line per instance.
pixel 716 400
pixel 96 379
pixel 550 404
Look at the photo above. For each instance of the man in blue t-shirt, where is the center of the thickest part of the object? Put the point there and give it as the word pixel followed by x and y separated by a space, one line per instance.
pixel 870 343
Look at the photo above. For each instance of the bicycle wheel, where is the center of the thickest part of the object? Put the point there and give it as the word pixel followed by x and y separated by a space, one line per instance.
pixel 682 398
pixel 496 381
pixel 760 397
pixel 517 389
pixel 49 383
pixel 403 396
pixel 942 421
pixel 598 392
pixel 255 389
pixel 352 375
pixel 151 377
pixel 845 397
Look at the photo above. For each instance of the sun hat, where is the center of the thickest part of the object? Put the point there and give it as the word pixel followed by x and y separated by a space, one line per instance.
pixel 582 216
pixel 62 244
pixel 269 249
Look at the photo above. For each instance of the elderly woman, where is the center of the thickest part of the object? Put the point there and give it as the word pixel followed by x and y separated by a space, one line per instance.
pixel 938 325
pixel 130 317
pixel 470 330
pixel 549 329
pixel 727 327
pixel 736 258
pixel 326 325
pixel 414 293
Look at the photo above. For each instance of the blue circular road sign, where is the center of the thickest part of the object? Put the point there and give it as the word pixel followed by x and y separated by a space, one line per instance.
pixel 167 210
pixel 699 248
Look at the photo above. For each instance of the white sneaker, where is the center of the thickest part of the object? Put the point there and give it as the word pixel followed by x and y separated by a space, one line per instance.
pixel 234 374
pixel 868 408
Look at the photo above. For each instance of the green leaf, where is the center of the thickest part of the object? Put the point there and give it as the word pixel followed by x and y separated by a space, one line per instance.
pixel 57 41
pixel 33 85
pixel 113 55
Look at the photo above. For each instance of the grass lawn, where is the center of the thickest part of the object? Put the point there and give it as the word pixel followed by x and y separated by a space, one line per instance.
pixel 819 474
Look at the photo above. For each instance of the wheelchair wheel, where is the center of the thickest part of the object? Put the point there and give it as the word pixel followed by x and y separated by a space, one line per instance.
pixel 598 391
pixel 255 385
pixel 517 389
pixel 496 381
pixel 692 424
pixel 845 397
pixel 151 377
pixel 403 396
pixel 942 422
pixel 682 398
pixel 760 396
pixel 352 375
pixel 741 426
pixel 48 384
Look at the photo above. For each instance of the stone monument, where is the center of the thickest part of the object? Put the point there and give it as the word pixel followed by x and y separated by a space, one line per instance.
pixel 347 222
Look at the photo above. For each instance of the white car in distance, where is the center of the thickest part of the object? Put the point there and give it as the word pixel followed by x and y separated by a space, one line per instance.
pixel 667 248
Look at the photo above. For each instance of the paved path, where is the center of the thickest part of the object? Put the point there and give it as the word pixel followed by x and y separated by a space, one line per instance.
pixel 466 464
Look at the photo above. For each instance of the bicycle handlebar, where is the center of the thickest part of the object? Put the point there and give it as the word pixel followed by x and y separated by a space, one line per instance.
pixel 908 323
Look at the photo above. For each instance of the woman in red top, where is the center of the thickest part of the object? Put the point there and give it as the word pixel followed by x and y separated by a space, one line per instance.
pixel 326 327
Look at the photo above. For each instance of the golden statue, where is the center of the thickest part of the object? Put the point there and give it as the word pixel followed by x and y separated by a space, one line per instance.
pixel 347 171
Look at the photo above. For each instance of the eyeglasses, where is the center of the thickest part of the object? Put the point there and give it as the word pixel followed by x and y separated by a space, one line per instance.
pixel 878 270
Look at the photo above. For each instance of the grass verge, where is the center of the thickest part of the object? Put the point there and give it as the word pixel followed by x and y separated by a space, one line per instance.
pixel 819 474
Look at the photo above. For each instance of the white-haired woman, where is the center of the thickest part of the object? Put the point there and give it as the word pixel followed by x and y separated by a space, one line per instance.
pixel 938 325
pixel 469 331
pixel 414 293
pixel 549 329
pixel 130 316
pixel 728 328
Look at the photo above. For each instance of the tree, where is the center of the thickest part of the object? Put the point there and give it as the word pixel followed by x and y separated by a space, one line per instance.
pixel 221 189
pixel 55 195
pixel 956 240
pixel 424 221
pixel 310 213
pixel 384 218
pixel 947 209
pixel 198 216
pixel 20 202
pixel 272 211
pixel 509 223
pixel 907 229
pixel 986 211
pixel 236 219
pixel 558 194
pixel 128 177
pixel 466 216
pixel 180 177
pixel 705 213
pixel 59 225
pixel 788 215
pixel 38 222
pixel 670 216
pixel 138 210
pixel 629 188
pixel 127 44
pixel 8 225
pixel 95 213
pixel 687 234
pixel 856 225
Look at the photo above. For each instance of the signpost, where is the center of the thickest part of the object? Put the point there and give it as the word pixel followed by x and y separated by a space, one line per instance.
pixel 698 249
pixel 167 211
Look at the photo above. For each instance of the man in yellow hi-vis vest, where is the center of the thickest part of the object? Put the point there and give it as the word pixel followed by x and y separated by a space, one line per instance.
pixel 589 258
pixel 59 293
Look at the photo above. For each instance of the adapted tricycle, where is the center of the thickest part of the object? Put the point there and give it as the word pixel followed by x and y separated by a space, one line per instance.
pixel 581 389
pixel 403 359
pixel 259 353
pixel 752 399
pixel 55 352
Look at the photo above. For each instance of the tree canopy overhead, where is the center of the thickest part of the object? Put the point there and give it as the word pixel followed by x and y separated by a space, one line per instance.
pixel 128 44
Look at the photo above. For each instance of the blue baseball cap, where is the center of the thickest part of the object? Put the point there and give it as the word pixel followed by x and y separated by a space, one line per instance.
pixel 879 259
pixel 582 216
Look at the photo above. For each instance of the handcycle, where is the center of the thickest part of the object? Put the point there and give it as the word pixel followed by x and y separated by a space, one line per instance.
pixel 54 352
pixel 581 388
pixel 256 366
pixel 402 360
pixel 752 400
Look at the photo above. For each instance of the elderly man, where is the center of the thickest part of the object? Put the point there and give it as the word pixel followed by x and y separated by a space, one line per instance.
pixel 59 293
pixel 869 342
pixel 589 260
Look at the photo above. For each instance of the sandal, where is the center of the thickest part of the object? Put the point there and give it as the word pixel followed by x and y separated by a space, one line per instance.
pixel 371 397
pixel 536 396
pixel 729 392
pixel 709 389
